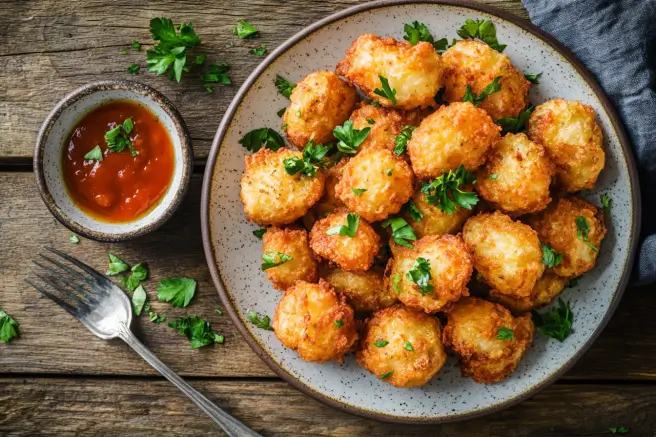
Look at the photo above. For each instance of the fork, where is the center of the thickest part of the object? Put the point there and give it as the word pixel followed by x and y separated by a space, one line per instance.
pixel 106 311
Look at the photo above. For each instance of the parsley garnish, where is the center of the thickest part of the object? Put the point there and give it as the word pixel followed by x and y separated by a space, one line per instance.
pixel 156 318
pixel 583 229
pixel 259 233
pixel 417 31
pixel 533 77
pixel 605 201
pixel 171 49
pixel 402 139
pixel 483 30
pixel 139 299
pixel 494 176
pixel 260 51
pixel 244 29
pixel 124 52
pixel 94 154
pixel 386 92
pixel 117 138
pixel 273 259
pixel 262 322
pixel 139 273
pixel 200 59
pixel 74 239
pixel 420 274
pixel 402 232
pixel 381 343
pixel 135 45
pixel 386 374
pixel 358 191
pixel 339 323
pixel 313 158
pixel 133 69
pixel 415 213
pixel 284 86
pixel 116 265
pixel 446 194
pixel 8 327
pixel 550 257
pixel 573 282
pixel 263 137
pixel 618 430
pixel 557 323
pixel 370 120
pixel 476 100
pixel 396 279
pixel 217 74
pixel 177 291
pixel 348 230
pixel 515 124
pixel 281 112
pixel 408 346
pixel 505 334
pixel 198 331
pixel 218 311
pixel 388 172
pixel 349 138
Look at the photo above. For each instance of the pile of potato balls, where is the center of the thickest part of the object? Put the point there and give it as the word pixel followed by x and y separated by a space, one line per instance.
pixel 374 245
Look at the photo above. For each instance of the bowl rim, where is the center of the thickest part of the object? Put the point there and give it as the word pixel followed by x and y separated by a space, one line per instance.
pixel 107 85
pixel 526 26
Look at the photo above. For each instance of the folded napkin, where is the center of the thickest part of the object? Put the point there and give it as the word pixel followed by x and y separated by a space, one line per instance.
pixel 616 40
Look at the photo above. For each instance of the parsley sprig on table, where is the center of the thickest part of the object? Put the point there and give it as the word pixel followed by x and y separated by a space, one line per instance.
pixel 260 51
pixel 243 29
pixel 386 91
pixel 420 274
pixel 401 140
pixel 217 73
pixel 582 231
pixel 347 230
pixel 198 331
pixel 138 273
pixel 170 54
pixel 350 138
pixel 446 191
pixel 415 32
pixel 550 257
pixel 556 323
pixel 8 327
pixel 402 232
pixel 476 100
pixel 313 158
pixel 177 291
pixel 483 30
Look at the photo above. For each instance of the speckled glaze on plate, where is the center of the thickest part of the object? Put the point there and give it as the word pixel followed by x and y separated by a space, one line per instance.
pixel 234 254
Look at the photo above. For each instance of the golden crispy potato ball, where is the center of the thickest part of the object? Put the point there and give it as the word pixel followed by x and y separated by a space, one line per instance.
pixel 456 134
pixel 375 184
pixel 506 253
pixel 573 140
pixel 385 124
pixel 449 263
pixel 273 197
pixel 355 253
pixel 472 332
pixel 517 176
pixel 575 228
pixel 329 202
pixel 319 102
pixel 402 346
pixel 293 243
pixel 476 64
pixel 364 291
pixel 414 72
pixel 314 321
pixel 434 221
pixel 545 291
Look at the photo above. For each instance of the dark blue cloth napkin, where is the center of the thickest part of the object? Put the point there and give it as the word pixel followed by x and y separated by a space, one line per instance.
pixel 616 40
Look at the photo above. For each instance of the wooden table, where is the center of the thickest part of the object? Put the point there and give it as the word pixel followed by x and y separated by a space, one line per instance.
pixel 58 379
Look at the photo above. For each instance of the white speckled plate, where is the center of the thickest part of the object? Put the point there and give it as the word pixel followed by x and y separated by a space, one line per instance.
pixel 233 254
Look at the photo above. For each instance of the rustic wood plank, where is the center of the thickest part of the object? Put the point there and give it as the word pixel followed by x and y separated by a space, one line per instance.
pixel 66 407
pixel 53 342
pixel 52 47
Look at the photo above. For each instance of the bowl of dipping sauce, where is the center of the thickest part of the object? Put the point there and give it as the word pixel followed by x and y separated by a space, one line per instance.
pixel 113 160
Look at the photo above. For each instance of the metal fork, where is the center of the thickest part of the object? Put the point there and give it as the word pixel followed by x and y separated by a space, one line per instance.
pixel 106 311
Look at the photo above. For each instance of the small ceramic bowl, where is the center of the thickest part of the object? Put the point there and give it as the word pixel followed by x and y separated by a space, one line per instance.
pixel 50 145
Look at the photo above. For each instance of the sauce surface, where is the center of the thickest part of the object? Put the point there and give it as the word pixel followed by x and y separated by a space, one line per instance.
pixel 120 188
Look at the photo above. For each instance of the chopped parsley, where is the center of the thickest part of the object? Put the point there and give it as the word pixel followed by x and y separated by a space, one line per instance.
pixel 177 291
pixel 494 176
pixel 446 194
pixel 200 59
pixel 396 279
pixel 117 138
pixel 259 233
pixel 582 231
pixel 358 191
pixel 217 74
pixel 94 154
pixel 370 120
pixel 386 91
pixel 386 374
pixel 618 430
pixel 198 331
pixel 260 51
pixel 74 239
pixel 262 322
pixel 313 158
pixel 339 323
pixel 556 323
pixel 281 112
pixel 573 282
pixel 402 232
pixel 116 265
pixel 156 318
pixel 284 86
pixel 138 273
pixel 476 100
pixel 413 211
pixel 402 139
pixel 415 32
pixel 274 259
pixel 133 69
pixel 408 346
pixel 420 274
pixel 350 138
pixel 505 334
pixel 244 29
pixel 124 52
pixel 8 327
pixel 515 124
pixel 550 257
pixel 381 343
pixel 348 230
pixel 483 30
pixel 533 77
pixel 139 298
pixel 605 201
pixel 135 45
pixel 170 54
pixel 263 137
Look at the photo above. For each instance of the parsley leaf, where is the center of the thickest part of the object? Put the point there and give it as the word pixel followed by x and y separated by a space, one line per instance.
pixel 313 158
pixel 124 52
pixel 139 273
pixel 94 154
pixel 171 51
pixel 217 74
pixel 262 322
pixel 446 194
pixel 533 77
pixel 177 291
pixel 573 282
pixel 348 230
pixel 381 343
pixel 349 138
pixel 408 346
pixel 260 51
pixel 386 374
pixel 483 30
pixel 476 100
pixel 74 239
pixel 402 139
pixel 583 229
pixel 494 176
pixel 339 323
pixel 198 331
pixel 415 32
pixel 139 299
pixel 133 69
pixel 358 191
pixel 386 92
pixel 402 232
pixel 259 233
pixel 515 124
pixel 550 257
pixel 605 201
pixel 370 120
pixel 557 323
pixel 263 137
pixel 284 86
pixel 618 430
pixel 135 45
pixel 413 211
pixel 117 138
pixel 505 334
pixel 156 318
pixel 273 259
pixel 244 29
pixel 396 279
pixel 200 59
pixel 420 274
pixel 116 265
pixel 8 327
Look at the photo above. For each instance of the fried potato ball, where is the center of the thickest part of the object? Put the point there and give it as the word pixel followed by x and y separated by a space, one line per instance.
pixel 386 178
pixel 364 291
pixel 402 346
pixel 545 291
pixel 329 202
pixel 319 102
pixel 476 64
pixel 507 254
pixel 472 332
pixel 434 221
pixel 517 176
pixel 384 124
pixel 314 321
pixel 293 243
pixel 350 253
pixel 450 265
pixel 575 228
pixel 273 197
pixel 456 134
pixel 573 140
pixel 413 71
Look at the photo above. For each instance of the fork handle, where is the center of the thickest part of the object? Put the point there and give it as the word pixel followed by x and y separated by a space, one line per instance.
pixel 232 426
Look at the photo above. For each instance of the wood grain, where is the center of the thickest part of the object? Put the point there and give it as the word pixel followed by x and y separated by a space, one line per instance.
pixel 49 48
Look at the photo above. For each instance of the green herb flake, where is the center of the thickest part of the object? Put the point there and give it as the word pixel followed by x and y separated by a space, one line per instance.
pixel 505 334
pixel 370 120
pixel 515 124
pixel 243 29
pixel 200 59
pixel 358 191
pixel 476 100
pixel 219 312
pixel 494 176
pixel 618 430
pixel 260 51
pixel 415 213
pixel 217 73
pixel 605 202
pixel 138 273
pixel 401 140
pixel 74 239
pixel 281 112
pixel 284 86
pixel 381 343
pixel 408 346
pixel 208 87
pixel 198 331
pixel 339 323
pixel 177 291
pixel 386 374
pixel 349 138
pixel 274 259
pixel 116 265
pixel 139 299
pixel 556 323
pixel 156 318
pixel 415 32
pixel 8 327
pixel 262 322
pixel 263 137
pixel 386 91
pixel 420 274
pixel 348 230
pixel 124 52
pixel 135 45
pixel 402 232
pixel 94 154
pixel 550 257
pixel 133 69
pixel 446 191
pixel 573 282
pixel 259 233
pixel 388 172
pixel 170 54
pixel 396 280
pixel 483 30
pixel 582 231
pixel 533 77
pixel 312 158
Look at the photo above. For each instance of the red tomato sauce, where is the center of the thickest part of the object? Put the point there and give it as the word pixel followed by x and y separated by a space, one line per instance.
pixel 120 188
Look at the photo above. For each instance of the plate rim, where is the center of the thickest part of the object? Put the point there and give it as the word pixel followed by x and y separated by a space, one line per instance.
pixel 527 26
